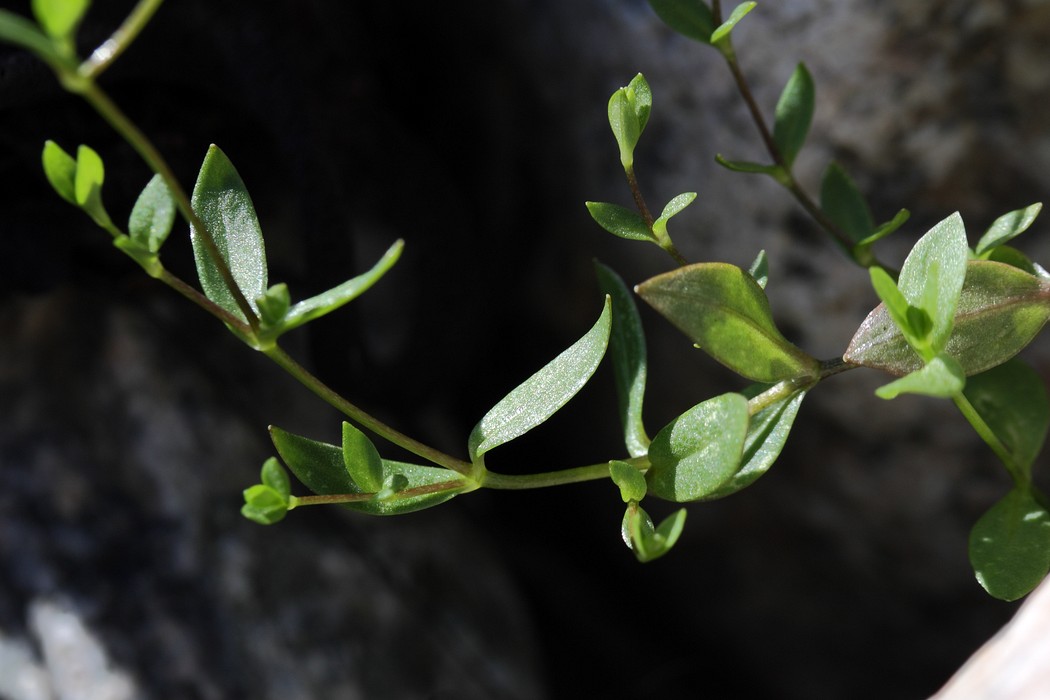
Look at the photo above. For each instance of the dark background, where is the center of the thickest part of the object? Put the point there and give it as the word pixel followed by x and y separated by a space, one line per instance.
pixel 472 130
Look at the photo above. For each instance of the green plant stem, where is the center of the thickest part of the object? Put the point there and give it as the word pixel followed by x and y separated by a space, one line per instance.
pixel 237 325
pixel 333 498
pixel 111 49
pixel 363 418
pixel 992 440
pixel 643 209
pixel 592 472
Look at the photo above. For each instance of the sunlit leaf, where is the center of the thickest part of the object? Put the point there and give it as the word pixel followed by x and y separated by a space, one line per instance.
pixel 723 30
pixel 759 269
pixel 264 504
pixel 1010 546
pixel 724 311
pixel 87 185
pixel 649 542
pixel 274 476
pixel 620 221
pixel 629 109
pixel 676 205
pixel 153 215
pixel 941 377
pixel 542 394
pixel 630 480
pixel 794 113
pixel 1007 227
pixel 361 459
pixel 59 18
pixel 60 169
pixel 691 18
pixel 700 450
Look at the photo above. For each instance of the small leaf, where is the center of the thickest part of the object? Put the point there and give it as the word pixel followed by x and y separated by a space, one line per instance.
pixel 673 207
pixel 318 465
pixel 759 269
pixel 629 109
pixel 698 452
pixel 896 305
pixel 274 476
pixel 627 346
pixel 60 169
pixel 743 166
pixel 326 302
pixel 1010 546
pixel 648 542
pixel 724 311
pixel 1000 310
pixel 362 460
pixel 794 113
pixel 264 504
pixel 620 221
pixel 542 394
pixel 19 31
pixel 87 186
pixel 691 18
pixel 723 30
pixel 883 230
pixel 1012 400
pixel 222 202
pixel 153 215
pixel 941 377
pixel 843 203
pixel 273 305
pixel 640 97
pixel 1012 256
pixel 1007 227
pixel 630 480
pixel 60 18
pixel 766 435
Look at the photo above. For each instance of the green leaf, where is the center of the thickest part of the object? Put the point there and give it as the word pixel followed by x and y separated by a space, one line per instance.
pixel 326 302
pixel 885 229
pixel 1010 546
pixel 60 170
pixel 794 113
pixel 1012 256
pixel 743 166
pixel 691 18
pixel 87 186
pixel 640 97
pixel 362 460
pixel 542 394
pixel 895 304
pixel 759 269
pixel 273 305
pixel 620 221
pixel 648 542
pixel 627 346
pixel 1007 227
pixel 676 205
pixel 629 109
pixel 1000 310
pixel 941 377
pixel 60 18
pixel 153 215
pixel 222 202
pixel 723 30
pixel 1012 400
pixel 724 311
pixel 274 476
pixel 320 467
pixel 18 30
pixel 700 450
pixel 766 435
pixel 264 504
pixel 933 274
pixel 630 480
pixel 843 203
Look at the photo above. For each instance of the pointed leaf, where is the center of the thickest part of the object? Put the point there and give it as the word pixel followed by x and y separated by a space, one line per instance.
pixel 723 30
pixel 724 311
pixel 759 269
pixel 153 215
pixel 60 169
pixel 361 459
pixel 843 203
pixel 691 18
pixel 274 476
pixel 648 542
pixel 60 18
pixel 620 221
pixel 630 480
pixel 326 302
pixel 317 464
pixel 673 207
pixel 883 230
pixel 1000 310
pixel 273 305
pixel 627 345
pixel 1010 546
pixel 794 113
pixel 542 394
pixel 941 377
pixel 222 202
pixel 700 450
pixel 640 97
pixel 767 432
pixel 625 121
pixel 1012 256
pixel 743 166
pixel 19 31
pixel 1007 227
pixel 87 185
pixel 1012 400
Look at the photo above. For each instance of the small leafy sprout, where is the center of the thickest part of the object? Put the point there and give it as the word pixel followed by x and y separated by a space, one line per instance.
pixel 59 19
pixel 644 539
pixel 78 181
pixel 629 109
pixel 268 502
pixel 720 36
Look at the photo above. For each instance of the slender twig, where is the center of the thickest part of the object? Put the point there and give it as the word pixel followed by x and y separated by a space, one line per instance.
pixel 109 50
pixel 559 477
pixel 991 439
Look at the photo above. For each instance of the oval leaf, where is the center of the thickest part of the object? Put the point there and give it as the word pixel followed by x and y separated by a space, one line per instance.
pixel 691 18
pixel 1007 227
pixel 542 394
pixel 700 450
pixel 153 215
pixel 1010 546
pixel 843 203
pixel 361 459
pixel 620 221
pixel 723 30
pixel 274 476
pixel 724 311
pixel 60 169
pixel 794 113
pixel 941 377
pixel 59 18
pixel 1000 311
pixel 222 202
pixel 1012 400
pixel 630 480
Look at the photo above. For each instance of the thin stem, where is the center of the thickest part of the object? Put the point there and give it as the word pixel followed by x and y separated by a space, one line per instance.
pixel 331 498
pixel 191 293
pixel 643 209
pixel 992 440
pixel 560 477
pixel 109 50
pixel 363 418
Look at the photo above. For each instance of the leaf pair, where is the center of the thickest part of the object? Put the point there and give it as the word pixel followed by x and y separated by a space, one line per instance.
pixel 647 541
pixel 693 19
pixel 221 201
pixel 268 502
pixel 844 205
pixel 629 109
pixel 629 224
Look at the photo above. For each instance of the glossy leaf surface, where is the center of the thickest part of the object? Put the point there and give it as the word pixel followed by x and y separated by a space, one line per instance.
pixel 691 18
pixel 222 202
pixel 153 215
pixel 724 311
pixel 723 30
pixel 1012 400
pixel 629 109
pixel 630 363
pixel 700 450
pixel 630 480
pixel 620 221
pixel 541 395
pixel 794 113
pixel 1010 546
pixel 676 205
pixel 759 269
pixel 941 377
pixel 1007 227
pixel 646 541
